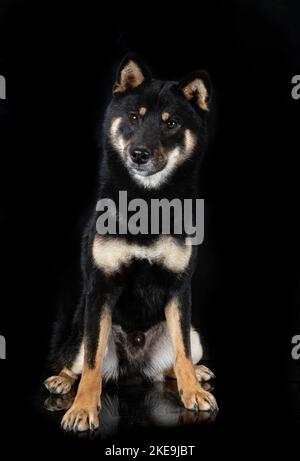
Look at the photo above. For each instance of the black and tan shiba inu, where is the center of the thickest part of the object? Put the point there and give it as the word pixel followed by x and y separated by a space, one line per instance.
pixel 134 316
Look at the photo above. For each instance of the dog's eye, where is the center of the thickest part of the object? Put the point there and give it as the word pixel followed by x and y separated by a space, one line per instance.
pixel 171 124
pixel 133 117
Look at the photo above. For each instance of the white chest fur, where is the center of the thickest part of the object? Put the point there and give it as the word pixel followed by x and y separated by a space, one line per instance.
pixel 110 254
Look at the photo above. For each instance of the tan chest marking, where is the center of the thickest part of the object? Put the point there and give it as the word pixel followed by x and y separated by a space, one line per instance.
pixel 111 254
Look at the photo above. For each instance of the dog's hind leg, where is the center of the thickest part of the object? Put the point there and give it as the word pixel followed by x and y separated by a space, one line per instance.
pixel 160 355
pixel 203 373
pixel 67 352
pixel 62 383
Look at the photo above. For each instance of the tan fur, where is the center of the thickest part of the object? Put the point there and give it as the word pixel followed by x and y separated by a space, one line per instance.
pixel 84 413
pixel 198 89
pixel 116 139
pixel 68 373
pixel 110 254
pixel 191 392
pixel 165 116
pixel 119 89
pixel 142 111
pixel 62 383
pixel 190 141
pixel 59 402
pixel 203 373
pixel 131 77
pixel 175 158
pixel 77 365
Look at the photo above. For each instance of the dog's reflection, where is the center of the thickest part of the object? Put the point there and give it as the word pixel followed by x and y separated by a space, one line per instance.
pixel 132 404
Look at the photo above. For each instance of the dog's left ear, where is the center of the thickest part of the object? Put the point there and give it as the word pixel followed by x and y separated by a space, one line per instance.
pixel 131 74
pixel 196 88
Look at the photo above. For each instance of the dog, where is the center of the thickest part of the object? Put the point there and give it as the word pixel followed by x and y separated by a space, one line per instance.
pixel 134 315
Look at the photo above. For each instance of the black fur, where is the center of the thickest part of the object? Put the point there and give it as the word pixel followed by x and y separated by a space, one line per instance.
pixel 140 292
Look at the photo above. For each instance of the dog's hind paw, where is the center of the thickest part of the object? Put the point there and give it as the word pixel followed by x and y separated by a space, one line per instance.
pixel 59 384
pixel 203 373
pixel 59 402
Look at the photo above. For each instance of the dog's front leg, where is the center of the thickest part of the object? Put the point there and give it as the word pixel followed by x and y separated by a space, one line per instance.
pixel 192 394
pixel 84 413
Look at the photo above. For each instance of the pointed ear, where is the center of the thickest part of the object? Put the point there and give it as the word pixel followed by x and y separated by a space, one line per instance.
pixel 131 74
pixel 196 88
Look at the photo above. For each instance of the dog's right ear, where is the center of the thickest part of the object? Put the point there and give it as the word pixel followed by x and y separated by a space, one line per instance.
pixel 131 74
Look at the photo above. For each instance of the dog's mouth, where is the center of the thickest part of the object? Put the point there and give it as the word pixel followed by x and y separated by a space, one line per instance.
pixel 148 168
pixel 145 171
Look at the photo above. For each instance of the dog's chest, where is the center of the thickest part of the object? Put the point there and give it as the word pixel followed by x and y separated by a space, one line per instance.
pixel 112 254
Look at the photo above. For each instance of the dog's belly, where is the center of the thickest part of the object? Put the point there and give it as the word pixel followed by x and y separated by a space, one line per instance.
pixel 147 289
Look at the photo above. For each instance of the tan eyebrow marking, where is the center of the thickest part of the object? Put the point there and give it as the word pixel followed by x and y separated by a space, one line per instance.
pixel 165 116
pixel 142 111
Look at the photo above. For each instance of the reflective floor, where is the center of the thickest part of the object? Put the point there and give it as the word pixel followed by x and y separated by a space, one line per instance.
pixel 135 404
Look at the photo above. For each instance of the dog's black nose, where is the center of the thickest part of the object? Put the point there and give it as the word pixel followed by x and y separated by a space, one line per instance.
pixel 140 155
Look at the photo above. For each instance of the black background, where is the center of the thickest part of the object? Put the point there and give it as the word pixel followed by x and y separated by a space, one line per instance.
pixel 59 62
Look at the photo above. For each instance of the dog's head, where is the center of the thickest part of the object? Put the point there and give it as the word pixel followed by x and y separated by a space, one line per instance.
pixel 155 125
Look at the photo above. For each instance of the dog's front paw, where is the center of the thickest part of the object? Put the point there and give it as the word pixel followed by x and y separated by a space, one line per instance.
pixel 196 398
pixel 79 418
pixel 59 384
